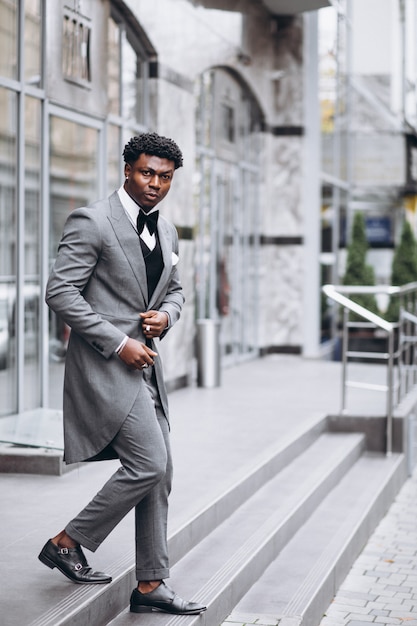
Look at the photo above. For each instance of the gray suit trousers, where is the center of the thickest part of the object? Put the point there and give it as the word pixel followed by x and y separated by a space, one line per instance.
pixel 143 481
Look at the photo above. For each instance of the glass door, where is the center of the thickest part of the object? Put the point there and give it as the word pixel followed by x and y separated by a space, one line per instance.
pixel 74 182
pixel 236 261
pixel 227 189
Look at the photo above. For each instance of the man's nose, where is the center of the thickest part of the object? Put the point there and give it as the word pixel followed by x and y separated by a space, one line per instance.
pixel 155 181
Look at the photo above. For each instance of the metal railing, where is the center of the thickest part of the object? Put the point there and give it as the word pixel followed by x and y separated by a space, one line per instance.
pixel 399 355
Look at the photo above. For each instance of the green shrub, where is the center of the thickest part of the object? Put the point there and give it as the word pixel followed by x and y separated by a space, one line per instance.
pixel 404 268
pixel 357 271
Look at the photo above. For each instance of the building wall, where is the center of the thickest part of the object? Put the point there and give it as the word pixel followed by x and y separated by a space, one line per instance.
pixel 73 135
pixel 266 53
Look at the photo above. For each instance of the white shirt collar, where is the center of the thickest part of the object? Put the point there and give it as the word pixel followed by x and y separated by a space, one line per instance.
pixel 132 210
pixel 130 206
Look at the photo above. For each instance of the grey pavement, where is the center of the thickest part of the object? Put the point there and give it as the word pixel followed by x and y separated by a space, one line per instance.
pixel 214 433
pixel 381 588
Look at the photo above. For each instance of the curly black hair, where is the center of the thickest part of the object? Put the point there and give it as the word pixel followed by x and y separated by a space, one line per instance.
pixel 155 145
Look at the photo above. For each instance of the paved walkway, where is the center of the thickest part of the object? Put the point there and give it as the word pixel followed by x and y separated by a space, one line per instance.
pixel 381 588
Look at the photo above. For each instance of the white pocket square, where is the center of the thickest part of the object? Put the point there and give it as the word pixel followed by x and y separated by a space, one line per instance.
pixel 175 258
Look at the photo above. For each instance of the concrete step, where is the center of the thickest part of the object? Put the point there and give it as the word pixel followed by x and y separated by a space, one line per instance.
pixel 224 565
pixel 268 512
pixel 191 519
pixel 302 581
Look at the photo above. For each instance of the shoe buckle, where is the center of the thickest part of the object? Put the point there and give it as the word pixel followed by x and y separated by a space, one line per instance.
pixel 78 566
pixel 64 551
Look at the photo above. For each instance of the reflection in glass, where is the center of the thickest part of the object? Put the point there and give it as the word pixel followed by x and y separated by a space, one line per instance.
pixel 114 174
pixel 73 183
pixel 31 291
pixel 113 67
pixel 8 220
pixel 132 82
pixel 8 38
pixel 32 42
pixel 226 195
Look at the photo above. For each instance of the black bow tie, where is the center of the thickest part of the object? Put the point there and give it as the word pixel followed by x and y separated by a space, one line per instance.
pixel 150 219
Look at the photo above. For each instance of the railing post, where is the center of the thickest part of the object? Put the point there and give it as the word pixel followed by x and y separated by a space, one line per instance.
pixel 390 392
pixel 345 339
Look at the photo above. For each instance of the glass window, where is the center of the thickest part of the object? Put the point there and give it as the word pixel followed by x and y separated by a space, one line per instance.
pixel 132 83
pixel 113 67
pixel 114 173
pixel 73 183
pixel 8 39
pixel 32 41
pixel 33 220
pixel 204 109
pixel 226 194
pixel 127 74
pixel 228 122
pixel 8 247
pixel 76 35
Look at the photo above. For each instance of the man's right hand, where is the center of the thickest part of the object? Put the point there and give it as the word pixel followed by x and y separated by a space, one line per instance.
pixel 137 355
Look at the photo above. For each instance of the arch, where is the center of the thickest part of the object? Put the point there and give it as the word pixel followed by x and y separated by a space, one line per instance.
pixel 246 87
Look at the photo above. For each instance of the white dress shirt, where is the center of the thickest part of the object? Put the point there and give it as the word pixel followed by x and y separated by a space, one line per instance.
pixel 132 210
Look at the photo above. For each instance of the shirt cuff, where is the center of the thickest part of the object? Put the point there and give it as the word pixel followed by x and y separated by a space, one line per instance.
pixel 121 345
pixel 168 319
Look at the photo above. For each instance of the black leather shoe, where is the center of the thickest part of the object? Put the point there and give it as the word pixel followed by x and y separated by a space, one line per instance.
pixel 72 563
pixel 163 599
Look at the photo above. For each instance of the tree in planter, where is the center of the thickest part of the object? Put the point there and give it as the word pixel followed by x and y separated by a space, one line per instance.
pixel 404 268
pixel 357 271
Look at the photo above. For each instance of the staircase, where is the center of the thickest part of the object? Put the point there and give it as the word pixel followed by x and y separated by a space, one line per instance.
pixel 273 546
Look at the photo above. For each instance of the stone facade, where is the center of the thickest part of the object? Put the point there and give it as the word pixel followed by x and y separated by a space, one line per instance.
pixel 266 55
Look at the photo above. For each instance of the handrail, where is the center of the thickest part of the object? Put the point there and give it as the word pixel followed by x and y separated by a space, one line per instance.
pixel 335 294
pixel 339 293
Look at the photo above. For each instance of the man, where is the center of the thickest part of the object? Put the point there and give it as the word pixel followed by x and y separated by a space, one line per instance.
pixel 115 283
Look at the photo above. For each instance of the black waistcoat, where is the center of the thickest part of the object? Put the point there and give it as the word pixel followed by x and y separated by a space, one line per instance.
pixel 154 264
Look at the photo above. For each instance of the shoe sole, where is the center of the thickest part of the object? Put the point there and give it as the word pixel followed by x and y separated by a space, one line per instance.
pixel 47 561
pixel 143 608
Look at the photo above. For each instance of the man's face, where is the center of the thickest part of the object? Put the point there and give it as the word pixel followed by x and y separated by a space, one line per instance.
pixel 148 180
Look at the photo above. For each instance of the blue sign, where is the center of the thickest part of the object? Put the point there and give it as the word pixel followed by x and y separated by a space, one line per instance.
pixel 378 230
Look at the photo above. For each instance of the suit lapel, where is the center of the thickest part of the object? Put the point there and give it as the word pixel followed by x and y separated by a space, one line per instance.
pixel 166 249
pixel 129 242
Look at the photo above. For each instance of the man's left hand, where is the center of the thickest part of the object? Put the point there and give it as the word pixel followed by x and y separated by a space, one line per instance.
pixel 154 323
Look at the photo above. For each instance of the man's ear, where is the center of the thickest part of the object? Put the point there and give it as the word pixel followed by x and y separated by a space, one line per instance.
pixel 127 170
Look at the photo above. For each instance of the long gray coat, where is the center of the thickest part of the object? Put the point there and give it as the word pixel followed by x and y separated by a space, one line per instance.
pixel 98 287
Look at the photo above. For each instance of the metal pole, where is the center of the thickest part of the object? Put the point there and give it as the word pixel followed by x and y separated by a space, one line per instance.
pixel 311 190
pixel 335 188
pixel 345 340
pixel 348 117
pixel 390 385
pixel 402 10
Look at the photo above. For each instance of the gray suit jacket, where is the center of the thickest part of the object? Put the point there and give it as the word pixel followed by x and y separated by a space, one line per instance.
pixel 98 287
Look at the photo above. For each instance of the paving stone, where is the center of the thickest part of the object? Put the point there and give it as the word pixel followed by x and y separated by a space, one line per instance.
pixel 356 622
pixel 344 593
pixel 341 602
pixel 381 587
pixel 380 612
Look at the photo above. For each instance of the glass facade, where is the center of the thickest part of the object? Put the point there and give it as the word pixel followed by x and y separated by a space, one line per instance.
pixel 8 248
pixel 32 253
pixel 53 158
pixel 9 39
pixel 228 134
pixel 73 183
pixel 32 43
